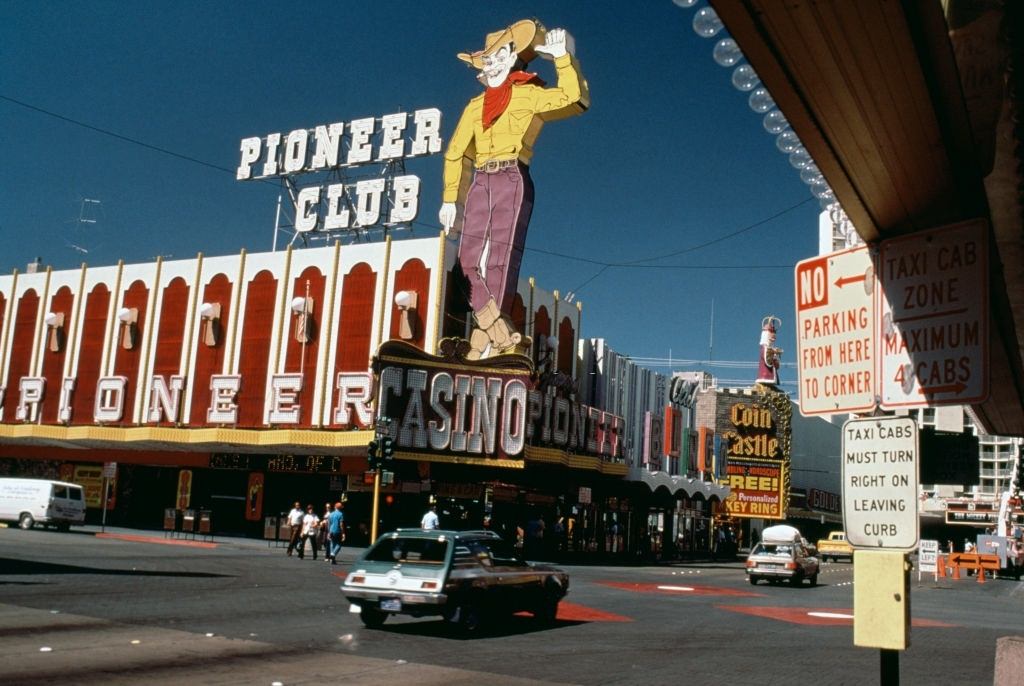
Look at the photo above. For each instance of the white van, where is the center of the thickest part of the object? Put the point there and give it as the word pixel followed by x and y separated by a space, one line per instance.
pixel 51 503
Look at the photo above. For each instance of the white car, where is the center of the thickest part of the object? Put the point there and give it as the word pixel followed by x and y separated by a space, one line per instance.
pixel 782 555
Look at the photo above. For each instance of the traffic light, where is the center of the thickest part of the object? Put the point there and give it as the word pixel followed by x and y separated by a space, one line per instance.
pixel 373 454
pixel 387 448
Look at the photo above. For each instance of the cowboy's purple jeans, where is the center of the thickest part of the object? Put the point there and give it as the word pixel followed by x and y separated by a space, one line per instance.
pixel 497 213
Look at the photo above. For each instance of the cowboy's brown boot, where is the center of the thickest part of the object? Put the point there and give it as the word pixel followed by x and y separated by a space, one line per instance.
pixel 479 342
pixel 502 334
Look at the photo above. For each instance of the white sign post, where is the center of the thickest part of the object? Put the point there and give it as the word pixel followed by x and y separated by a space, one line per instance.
pixel 928 558
pixel 933 323
pixel 835 315
pixel 109 472
pixel 880 482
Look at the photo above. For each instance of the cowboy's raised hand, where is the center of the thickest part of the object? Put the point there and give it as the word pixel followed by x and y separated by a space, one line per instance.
pixel 557 42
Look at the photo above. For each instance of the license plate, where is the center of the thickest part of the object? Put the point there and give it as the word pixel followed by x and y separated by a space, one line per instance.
pixel 391 604
pixel 769 566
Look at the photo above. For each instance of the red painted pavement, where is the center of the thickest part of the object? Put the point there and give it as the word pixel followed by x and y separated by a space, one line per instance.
pixel 158 539
pixel 799 615
pixel 580 613
pixel 680 588
pixel 571 612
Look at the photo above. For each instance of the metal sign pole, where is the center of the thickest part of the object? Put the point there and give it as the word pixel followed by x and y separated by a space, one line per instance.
pixel 106 490
pixel 381 428
pixel 889 663
pixel 376 503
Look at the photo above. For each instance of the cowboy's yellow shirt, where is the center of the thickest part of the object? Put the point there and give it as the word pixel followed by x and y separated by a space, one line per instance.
pixel 513 134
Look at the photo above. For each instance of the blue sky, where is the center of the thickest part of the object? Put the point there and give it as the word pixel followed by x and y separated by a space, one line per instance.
pixel 668 158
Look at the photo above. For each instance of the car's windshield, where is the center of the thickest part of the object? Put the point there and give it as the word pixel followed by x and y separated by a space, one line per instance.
pixel 773 549
pixel 418 550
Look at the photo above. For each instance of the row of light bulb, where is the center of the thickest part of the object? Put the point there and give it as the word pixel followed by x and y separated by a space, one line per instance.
pixel 726 53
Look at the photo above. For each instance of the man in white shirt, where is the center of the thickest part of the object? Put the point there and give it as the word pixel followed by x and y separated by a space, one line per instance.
pixel 310 528
pixel 429 520
pixel 295 522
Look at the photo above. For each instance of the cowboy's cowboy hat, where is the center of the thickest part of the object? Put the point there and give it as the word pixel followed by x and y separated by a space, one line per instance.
pixel 525 34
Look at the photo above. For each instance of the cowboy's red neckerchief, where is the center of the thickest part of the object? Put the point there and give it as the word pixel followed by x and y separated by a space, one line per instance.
pixel 496 99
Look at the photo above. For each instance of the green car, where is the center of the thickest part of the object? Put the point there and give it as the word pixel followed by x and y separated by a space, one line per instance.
pixel 466 577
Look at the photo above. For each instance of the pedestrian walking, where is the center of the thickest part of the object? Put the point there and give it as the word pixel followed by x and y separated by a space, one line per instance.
pixel 310 528
pixel 335 532
pixel 322 535
pixel 534 541
pixel 430 520
pixel 295 522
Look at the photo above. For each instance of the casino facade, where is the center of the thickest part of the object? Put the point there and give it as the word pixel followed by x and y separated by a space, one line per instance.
pixel 239 384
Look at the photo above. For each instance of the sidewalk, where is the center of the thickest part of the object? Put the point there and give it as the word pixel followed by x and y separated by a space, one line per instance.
pixel 350 553
pixel 156 536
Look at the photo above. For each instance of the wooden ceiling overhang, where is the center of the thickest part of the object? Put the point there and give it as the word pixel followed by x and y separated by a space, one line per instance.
pixel 874 91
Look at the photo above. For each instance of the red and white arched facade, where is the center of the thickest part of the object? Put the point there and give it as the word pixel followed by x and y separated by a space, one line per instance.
pixel 218 350
pixel 257 357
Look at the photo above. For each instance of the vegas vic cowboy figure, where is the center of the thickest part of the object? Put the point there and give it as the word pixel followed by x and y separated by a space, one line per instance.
pixel 495 137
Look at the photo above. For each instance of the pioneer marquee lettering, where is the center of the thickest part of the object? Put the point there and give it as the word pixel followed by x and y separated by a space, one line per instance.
pixel 164 402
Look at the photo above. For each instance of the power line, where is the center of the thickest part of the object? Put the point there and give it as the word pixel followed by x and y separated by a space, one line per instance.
pixel 121 137
pixel 633 264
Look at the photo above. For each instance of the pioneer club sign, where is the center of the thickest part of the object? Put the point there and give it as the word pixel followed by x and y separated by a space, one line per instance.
pixel 341 145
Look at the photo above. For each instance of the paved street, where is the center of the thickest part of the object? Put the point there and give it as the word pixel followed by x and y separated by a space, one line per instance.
pixel 133 607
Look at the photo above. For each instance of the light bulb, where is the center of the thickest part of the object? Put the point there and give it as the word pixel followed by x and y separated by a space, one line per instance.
pixel 810 174
pixel 775 122
pixel 826 200
pixel 298 304
pixel 726 53
pixel 706 22
pixel 822 191
pixel 787 141
pixel 744 78
pixel 760 100
pixel 685 4
pixel 800 158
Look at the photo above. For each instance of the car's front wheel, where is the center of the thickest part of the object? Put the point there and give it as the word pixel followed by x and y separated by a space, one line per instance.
pixel 26 521
pixel 547 613
pixel 372 619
